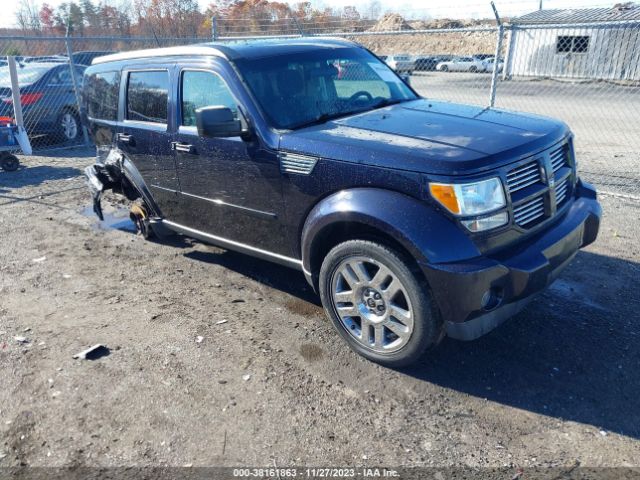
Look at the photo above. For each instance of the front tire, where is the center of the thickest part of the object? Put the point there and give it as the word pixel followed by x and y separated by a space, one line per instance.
pixel 378 303
pixel 444 68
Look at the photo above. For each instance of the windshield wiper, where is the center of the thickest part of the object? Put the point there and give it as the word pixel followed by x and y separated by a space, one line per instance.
pixel 325 117
pixel 322 118
pixel 385 102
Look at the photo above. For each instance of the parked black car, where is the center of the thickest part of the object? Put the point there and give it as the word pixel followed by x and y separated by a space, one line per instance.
pixel 86 57
pixel 48 100
pixel 426 64
pixel 412 218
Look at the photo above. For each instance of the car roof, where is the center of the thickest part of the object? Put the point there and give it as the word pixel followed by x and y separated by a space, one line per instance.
pixel 234 50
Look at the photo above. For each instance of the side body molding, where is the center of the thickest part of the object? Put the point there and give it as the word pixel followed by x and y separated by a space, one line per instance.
pixel 428 235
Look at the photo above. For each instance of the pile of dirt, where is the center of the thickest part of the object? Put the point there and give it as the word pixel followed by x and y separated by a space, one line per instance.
pixel 439 23
pixel 454 43
pixel 391 22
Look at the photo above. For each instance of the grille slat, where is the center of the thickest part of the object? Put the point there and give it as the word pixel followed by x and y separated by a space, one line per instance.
pixel 561 191
pixel 523 176
pixel 558 158
pixel 528 212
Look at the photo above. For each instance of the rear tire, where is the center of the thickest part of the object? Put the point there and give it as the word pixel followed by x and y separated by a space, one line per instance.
pixel 378 303
pixel 444 68
pixel 140 217
pixel 473 69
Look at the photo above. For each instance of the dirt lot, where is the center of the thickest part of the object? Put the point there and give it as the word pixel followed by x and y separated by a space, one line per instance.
pixel 270 382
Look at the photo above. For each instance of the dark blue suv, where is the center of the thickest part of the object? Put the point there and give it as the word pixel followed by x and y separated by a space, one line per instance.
pixel 412 218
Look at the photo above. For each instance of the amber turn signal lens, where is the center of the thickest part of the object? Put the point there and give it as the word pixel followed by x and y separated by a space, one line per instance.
pixel 446 195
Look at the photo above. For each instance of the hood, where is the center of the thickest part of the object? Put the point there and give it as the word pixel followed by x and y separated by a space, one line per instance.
pixel 429 137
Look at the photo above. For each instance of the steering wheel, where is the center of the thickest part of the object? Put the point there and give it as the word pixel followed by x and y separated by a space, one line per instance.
pixel 361 93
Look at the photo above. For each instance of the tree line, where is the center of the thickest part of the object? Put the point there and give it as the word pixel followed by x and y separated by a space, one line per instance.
pixel 185 18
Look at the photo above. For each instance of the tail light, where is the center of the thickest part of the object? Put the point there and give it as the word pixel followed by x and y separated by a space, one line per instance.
pixel 26 98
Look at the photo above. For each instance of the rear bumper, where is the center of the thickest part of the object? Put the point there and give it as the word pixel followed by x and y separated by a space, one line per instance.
pixel 477 295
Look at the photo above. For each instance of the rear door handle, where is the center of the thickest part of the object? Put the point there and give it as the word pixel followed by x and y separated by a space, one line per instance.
pixel 183 147
pixel 124 138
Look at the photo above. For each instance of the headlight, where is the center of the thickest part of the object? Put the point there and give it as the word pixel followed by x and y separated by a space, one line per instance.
pixel 465 199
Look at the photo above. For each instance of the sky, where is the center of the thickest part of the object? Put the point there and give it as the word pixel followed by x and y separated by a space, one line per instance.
pixel 415 9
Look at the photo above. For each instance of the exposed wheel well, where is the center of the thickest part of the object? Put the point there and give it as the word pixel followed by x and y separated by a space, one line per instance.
pixel 337 233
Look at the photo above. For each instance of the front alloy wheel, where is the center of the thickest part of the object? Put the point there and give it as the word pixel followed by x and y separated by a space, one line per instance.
pixel 378 302
pixel 372 304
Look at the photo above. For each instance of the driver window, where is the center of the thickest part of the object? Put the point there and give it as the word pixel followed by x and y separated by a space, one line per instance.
pixel 203 89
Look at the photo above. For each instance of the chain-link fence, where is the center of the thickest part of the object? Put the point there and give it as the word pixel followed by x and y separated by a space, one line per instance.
pixel 586 73
pixel 50 89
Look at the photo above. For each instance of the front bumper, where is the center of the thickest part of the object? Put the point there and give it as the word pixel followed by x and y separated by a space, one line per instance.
pixel 475 296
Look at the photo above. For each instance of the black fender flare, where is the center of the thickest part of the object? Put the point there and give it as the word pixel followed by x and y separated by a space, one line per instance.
pixel 424 230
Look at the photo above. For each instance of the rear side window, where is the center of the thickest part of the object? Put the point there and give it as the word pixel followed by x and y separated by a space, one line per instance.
pixel 147 96
pixel 203 89
pixel 101 91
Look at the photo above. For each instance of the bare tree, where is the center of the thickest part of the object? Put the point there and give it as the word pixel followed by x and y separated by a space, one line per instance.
pixel 28 15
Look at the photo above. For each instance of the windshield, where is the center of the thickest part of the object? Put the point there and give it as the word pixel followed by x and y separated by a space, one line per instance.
pixel 302 89
pixel 26 75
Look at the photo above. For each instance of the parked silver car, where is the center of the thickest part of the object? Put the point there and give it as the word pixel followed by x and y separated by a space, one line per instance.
pixel 400 63
pixel 461 64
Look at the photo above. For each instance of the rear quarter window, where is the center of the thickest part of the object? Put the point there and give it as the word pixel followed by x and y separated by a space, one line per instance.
pixel 101 91
pixel 147 96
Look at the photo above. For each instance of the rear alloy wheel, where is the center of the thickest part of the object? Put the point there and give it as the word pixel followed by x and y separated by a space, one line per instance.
pixel 444 68
pixel 377 304
pixel 68 126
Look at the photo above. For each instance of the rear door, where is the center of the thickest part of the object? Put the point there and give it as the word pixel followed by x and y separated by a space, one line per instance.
pixel 145 132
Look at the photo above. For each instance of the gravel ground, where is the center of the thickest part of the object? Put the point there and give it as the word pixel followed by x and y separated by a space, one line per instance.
pixel 269 382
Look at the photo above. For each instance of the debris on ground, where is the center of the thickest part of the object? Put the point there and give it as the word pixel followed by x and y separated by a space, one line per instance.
pixel 21 339
pixel 199 339
pixel 220 322
pixel 93 353
pixel 246 377
pixel 39 259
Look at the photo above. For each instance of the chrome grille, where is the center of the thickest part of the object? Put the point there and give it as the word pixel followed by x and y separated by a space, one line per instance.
pixel 561 191
pixel 523 176
pixel 558 158
pixel 529 211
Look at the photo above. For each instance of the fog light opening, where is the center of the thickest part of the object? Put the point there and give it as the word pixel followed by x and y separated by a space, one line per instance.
pixel 492 298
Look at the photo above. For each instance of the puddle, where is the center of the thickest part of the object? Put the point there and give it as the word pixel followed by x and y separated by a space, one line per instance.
pixel 114 219
pixel 574 292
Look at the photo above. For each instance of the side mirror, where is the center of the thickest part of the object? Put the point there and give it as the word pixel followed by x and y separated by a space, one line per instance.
pixel 217 121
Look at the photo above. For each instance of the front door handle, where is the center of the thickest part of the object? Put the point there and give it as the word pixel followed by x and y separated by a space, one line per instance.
pixel 124 138
pixel 183 147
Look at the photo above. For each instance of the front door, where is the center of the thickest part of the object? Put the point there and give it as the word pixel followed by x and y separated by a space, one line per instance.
pixel 229 187
pixel 144 135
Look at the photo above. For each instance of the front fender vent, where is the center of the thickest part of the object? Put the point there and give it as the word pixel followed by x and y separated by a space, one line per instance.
pixel 297 163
